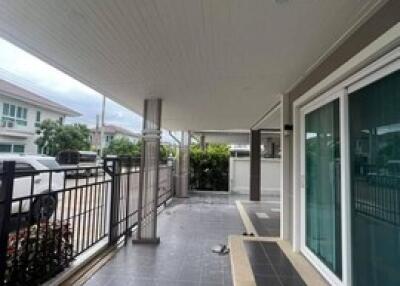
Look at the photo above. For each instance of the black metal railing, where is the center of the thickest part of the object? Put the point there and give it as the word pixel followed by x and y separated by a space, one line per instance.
pixel 49 217
pixel 378 196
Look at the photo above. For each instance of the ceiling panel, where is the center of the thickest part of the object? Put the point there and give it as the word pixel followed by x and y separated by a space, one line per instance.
pixel 216 64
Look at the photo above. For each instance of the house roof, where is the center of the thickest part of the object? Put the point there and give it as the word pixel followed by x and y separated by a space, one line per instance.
pixel 112 129
pixel 10 90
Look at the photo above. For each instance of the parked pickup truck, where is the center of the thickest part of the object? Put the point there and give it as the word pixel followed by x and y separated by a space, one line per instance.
pixel 30 178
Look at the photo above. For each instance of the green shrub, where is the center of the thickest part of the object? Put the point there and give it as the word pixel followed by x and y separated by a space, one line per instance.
pixel 209 168
pixel 38 253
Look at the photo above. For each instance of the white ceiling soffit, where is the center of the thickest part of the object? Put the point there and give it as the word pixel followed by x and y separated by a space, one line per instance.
pixel 216 64
pixel 227 137
pixel 270 120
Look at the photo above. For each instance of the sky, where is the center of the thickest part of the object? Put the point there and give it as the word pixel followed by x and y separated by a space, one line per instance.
pixel 31 73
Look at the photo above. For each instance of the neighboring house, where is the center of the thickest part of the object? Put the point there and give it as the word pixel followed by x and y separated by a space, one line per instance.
pixel 111 132
pixel 21 113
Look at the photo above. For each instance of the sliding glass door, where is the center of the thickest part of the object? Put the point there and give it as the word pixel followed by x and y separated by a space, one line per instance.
pixel 322 185
pixel 374 121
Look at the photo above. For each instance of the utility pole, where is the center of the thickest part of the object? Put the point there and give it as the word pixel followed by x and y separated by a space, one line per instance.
pixel 103 111
pixel 96 137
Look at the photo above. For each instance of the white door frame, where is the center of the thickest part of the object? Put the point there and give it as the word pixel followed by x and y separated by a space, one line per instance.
pixel 383 66
pixel 306 109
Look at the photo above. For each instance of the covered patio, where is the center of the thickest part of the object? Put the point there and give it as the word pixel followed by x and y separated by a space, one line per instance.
pixel 203 67
pixel 189 228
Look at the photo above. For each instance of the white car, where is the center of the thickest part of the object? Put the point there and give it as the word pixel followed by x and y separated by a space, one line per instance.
pixel 30 180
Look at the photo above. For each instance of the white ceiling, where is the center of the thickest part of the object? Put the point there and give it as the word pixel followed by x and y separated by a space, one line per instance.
pixel 216 64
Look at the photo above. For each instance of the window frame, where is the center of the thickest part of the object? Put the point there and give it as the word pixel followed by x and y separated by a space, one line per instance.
pixel 15 113
pixel 383 66
pixel 38 118
pixel 307 252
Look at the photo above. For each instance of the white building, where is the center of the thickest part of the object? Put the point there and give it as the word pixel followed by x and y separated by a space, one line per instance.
pixel 111 132
pixel 21 113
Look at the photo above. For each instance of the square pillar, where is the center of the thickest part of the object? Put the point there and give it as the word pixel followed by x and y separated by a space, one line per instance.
pixel 255 165
pixel 286 175
pixel 183 166
pixel 148 184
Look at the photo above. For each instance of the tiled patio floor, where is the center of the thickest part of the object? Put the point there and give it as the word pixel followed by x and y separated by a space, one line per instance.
pixel 188 228
pixel 265 216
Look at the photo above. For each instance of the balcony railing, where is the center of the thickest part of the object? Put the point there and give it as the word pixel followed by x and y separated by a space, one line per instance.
pixel 42 232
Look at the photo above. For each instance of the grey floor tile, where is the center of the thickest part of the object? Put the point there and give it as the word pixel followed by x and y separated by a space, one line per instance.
pixel 188 228
pixel 267 281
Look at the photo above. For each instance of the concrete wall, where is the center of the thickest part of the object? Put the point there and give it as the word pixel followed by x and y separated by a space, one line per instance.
pixel 239 176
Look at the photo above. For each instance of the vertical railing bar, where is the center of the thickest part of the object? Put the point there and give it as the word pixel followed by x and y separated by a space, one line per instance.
pixel 75 232
pixel 7 185
pixel 17 234
pixel 98 206
pixel 47 218
pixel 111 215
pixel 69 220
pixel 89 216
pixel 30 219
pixel 127 200
pixel 54 231
pixel 84 221
pixel 79 220
pixel 61 221
pixel 102 216
pixel 94 222
pixel 38 223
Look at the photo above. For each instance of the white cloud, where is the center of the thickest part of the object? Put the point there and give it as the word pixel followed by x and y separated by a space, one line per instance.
pixel 32 73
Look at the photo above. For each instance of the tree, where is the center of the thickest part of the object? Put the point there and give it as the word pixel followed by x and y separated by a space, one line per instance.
pixel 55 137
pixel 48 130
pixel 73 137
pixel 123 146
pixel 166 151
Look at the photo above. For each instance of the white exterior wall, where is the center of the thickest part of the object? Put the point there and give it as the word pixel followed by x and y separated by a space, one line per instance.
pixel 352 75
pixel 24 135
pixel 239 176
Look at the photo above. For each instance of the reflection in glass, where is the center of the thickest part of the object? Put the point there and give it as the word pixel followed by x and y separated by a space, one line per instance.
pixel 374 114
pixel 322 166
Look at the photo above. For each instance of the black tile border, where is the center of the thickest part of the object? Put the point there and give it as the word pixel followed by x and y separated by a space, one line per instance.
pixel 270 264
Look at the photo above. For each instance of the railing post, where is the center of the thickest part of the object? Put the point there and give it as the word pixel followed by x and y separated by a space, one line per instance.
pixel 114 201
pixel 7 184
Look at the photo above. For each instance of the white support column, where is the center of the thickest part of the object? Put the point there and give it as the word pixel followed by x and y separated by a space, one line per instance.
pixel 183 166
pixel 148 186
pixel 285 168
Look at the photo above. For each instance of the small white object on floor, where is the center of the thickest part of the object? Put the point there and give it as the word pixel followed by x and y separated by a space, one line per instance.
pixel 275 210
pixel 220 249
pixel 262 215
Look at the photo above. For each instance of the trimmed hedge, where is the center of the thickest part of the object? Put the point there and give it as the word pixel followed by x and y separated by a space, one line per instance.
pixel 209 168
